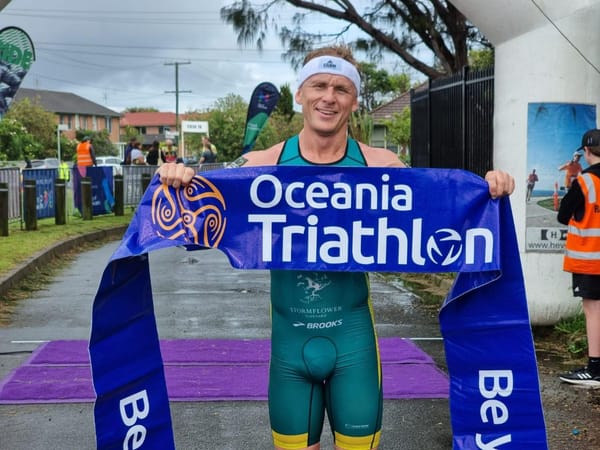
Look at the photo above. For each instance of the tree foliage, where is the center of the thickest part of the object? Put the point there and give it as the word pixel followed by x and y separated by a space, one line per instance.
pixel 398 129
pixel 378 86
pixel 39 123
pixel 401 27
pixel 285 105
pixel 15 142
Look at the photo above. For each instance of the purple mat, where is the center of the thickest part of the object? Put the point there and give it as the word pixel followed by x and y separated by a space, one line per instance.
pixel 195 370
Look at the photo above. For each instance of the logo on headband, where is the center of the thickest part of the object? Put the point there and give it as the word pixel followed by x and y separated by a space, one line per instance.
pixel 329 64
pixel 177 212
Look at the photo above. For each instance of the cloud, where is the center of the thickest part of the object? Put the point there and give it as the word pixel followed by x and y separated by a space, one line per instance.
pixel 120 53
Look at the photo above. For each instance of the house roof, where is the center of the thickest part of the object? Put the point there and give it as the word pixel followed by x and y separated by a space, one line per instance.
pixel 64 102
pixel 150 119
pixel 387 110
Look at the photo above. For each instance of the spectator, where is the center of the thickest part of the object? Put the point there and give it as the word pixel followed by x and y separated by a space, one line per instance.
pixel 580 210
pixel 209 151
pixel 137 156
pixel 170 152
pixel 85 153
pixel 154 154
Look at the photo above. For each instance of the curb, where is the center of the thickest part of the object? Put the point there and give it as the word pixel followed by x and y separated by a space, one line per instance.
pixel 15 276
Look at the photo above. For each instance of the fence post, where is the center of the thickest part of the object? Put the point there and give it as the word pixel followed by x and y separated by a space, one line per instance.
pixel 87 212
pixel 119 210
pixel 146 177
pixel 29 205
pixel 60 196
pixel 3 209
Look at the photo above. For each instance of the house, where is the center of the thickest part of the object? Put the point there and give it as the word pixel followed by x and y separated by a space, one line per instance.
pixel 151 126
pixel 386 112
pixel 76 112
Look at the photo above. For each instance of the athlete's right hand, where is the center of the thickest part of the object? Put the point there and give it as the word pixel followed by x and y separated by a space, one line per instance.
pixel 175 174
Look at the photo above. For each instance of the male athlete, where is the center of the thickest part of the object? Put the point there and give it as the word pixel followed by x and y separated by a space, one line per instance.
pixel 333 369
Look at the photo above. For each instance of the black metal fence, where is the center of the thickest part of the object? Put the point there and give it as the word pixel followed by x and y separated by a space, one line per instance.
pixel 452 122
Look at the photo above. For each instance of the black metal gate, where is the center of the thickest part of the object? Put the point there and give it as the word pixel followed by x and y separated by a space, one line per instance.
pixel 452 122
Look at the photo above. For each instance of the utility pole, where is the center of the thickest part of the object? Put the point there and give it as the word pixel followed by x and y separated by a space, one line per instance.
pixel 176 92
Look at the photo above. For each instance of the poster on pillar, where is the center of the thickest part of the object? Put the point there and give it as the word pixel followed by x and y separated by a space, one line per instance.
pixel 554 132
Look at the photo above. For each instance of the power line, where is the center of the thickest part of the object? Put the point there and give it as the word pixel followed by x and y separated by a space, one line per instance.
pixel 585 58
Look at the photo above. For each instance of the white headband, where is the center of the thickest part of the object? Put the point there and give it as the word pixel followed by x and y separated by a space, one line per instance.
pixel 333 65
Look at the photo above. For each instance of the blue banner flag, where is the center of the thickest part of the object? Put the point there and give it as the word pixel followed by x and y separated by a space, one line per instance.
pixel 262 102
pixel 330 218
pixel 16 56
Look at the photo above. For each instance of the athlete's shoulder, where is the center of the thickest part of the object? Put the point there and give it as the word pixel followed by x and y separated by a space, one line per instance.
pixel 380 157
pixel 267 157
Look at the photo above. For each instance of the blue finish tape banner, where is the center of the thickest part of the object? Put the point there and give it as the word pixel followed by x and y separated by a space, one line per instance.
pixel 330 218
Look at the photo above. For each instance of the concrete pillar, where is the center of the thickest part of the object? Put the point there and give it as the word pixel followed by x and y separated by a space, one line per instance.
pixel 547 51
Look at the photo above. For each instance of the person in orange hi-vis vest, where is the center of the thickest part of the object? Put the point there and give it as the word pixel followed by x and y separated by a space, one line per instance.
pixel 85 153
pixel 580 210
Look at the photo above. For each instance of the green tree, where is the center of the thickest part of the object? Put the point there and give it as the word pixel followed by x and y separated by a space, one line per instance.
pixel 15 142
pixel 398 132
pixel 400 27
pixel 39 123
pixel 378 86
pixel 481 59
pixel 226 123
pixel 134 109
pixel 285 105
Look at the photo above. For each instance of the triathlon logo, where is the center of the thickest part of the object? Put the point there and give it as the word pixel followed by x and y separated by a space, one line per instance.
pixel 444 247
pixel 16 56
pixel 194 213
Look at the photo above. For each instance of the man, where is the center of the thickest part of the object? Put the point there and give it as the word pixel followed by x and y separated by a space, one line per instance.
pixel 335 370
pixel 85 153
pixel 572 169
pixel 209 151
pixel 532 178
pixel 580 210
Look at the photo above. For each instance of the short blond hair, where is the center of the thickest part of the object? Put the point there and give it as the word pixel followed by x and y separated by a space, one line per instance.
pixel 341 51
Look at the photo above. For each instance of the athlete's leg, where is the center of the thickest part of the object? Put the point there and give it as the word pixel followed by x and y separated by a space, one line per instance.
pixel 296 406
pixel 591 309
pixel 354 400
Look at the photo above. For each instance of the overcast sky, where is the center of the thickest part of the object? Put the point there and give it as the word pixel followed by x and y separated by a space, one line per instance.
pixel 120 53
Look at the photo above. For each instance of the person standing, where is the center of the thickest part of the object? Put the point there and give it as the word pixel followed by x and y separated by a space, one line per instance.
pixel 85 153
pixel 580 210
pixel 154 154
pixel 335 371
pixel 209 151
pixel 170 152
pixel 128 148
pixel 572 169
pixel 136 155
pixel 532 178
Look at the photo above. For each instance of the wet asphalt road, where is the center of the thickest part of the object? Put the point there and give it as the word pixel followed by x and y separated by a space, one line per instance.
pixel 198 295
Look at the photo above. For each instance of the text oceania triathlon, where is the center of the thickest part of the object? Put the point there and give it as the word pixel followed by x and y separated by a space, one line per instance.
pixel 360 241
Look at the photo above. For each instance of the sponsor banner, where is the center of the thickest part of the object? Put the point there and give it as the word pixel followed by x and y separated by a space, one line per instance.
pixel 16 56
pixel 262 102
pixel 330 218
pixel 102 188
pixel 546 239
pixel 44 190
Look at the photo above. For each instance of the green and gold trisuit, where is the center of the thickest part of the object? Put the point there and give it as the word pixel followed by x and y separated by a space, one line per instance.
pixel 324 349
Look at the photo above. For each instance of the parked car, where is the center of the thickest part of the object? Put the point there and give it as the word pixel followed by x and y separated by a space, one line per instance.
pixel 48 163
pixel 110 161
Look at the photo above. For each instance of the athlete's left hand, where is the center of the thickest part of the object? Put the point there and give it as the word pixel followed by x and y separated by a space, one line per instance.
pixel 500 183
